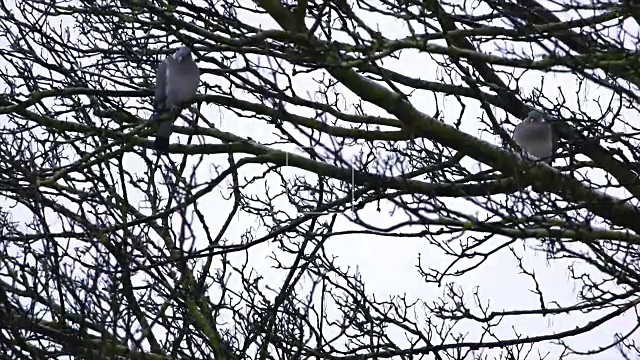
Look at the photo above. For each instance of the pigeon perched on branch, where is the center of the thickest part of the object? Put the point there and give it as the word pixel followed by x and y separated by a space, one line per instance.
pixel 177 81
pixel 536 137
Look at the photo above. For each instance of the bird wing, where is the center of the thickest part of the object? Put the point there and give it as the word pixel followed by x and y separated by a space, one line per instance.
pixel 164 101
pixel 162 85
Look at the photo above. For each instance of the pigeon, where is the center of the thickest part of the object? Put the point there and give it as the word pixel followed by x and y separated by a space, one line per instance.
pixel 177 82
pixel 536 137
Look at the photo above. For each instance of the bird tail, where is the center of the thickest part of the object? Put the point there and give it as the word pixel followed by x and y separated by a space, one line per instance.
pixel 161 144
pixel 163 133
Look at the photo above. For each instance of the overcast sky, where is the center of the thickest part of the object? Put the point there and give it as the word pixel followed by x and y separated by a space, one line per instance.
pixel 388 265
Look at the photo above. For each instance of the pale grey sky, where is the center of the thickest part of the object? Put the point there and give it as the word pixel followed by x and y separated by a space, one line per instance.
pixel 388 265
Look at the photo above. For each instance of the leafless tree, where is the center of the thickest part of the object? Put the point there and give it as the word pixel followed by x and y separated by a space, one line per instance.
pixel 367 109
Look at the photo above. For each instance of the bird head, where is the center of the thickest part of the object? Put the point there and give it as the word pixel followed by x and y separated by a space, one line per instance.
pixel 535 115
pixel 182 54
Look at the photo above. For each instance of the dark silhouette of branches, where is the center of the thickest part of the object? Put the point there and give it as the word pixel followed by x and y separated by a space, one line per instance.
pixel 323 131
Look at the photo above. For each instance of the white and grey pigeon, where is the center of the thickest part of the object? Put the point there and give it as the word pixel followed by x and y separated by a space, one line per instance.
pixel 177 81
pixel 536 136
